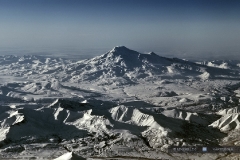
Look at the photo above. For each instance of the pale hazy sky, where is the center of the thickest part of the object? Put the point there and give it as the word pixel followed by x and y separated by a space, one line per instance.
pixel 174 27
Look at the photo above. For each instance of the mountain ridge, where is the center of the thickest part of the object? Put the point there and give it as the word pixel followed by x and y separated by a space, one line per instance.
pixel 124 62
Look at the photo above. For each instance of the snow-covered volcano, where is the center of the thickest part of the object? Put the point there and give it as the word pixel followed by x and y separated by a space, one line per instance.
pixel 131 65
pixel 123 62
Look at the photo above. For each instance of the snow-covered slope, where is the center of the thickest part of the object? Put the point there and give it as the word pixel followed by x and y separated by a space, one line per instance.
pixel 120 64
pixel 230 119
pixel 224 64
pixel 122 103
pixel 70 156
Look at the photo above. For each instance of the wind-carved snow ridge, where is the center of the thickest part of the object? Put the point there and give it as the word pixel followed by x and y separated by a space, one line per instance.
pixel 136 117
pixel 160 127
pixel 230 119
pixel 9 119
pixel 133 116
pixel 188 116
pixel 121 103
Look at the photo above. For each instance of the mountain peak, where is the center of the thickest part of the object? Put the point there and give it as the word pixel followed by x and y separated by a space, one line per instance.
pixel 122 50
pixel 152 53
pixel 119 49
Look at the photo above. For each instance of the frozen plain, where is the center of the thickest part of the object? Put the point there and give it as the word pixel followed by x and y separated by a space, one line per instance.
pixel 120 105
